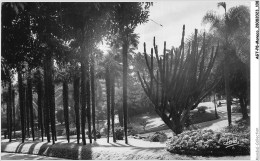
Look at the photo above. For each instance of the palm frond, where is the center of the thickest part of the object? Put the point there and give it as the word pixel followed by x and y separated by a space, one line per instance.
pixel 222 4
pixel 212 18
pixel 134 39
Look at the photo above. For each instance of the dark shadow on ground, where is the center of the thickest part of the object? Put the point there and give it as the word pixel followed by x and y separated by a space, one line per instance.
pixel 14 156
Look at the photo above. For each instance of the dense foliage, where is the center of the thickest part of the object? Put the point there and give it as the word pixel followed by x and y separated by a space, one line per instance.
pixel 208 142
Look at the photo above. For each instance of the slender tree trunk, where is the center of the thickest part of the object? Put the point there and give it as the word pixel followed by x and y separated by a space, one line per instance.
pixel 92 70
pixel 88 99
pixel 108 101
pixel 113 106
pixel 47 98
pixel 50 96
pixel 98 99
pixel 10 110
pixel 21 103
pixel 216 113
pixel 83 101
pixel 227 88
pixel 76 104
pixel 30 101
pixel 7 119
pixel 120 117
pixel 13 104
pixel 27 112
pixel 52 100
pixel 39 92
pixel 53 119
pixel 125 66
pixel 243 107
pixel 65 106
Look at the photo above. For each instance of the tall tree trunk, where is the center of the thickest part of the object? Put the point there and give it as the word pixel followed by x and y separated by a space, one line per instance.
pixel 52 100
pixel 53 120
pixel 92 70
pixel 120 116
pixel 47 98
pixel 30 101
pixel 27 112
pixel 83 101
pixel 215 102
pixel 227 88
pixel 21 103
pixel 39 92
pixel 13 106
pixel 113 106
pixel 98 99
pixel 108 101
pixel 10 110
pixel 88 99
pixel 7 119
pixel 66 110
pixel 76 104
pixel 243 106
pixel 125 66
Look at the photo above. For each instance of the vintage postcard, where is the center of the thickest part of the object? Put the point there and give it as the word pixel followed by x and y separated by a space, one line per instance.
pixel 130 80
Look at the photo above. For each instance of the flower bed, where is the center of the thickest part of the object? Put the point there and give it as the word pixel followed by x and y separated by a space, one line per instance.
pixel 208 142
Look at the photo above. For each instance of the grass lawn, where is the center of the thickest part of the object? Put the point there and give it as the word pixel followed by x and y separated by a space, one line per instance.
pixel 155 123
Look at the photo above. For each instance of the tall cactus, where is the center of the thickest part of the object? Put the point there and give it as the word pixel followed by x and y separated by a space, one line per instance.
pixel 179 82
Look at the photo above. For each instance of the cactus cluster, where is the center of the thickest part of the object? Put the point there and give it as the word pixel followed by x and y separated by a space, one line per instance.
pixel 179 79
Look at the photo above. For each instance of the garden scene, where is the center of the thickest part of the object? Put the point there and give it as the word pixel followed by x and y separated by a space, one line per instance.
pixel 121 81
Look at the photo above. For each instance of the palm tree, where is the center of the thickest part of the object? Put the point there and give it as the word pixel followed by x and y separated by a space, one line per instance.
pixel 9 109
pixel 229 27
pixel 97 54
pixel 76 88
pixel 30 101
pixel 125 44
pixel 21 102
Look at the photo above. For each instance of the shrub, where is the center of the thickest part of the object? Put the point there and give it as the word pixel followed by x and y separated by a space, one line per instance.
pixel 158 137
pixel 119 133
pixel 202 109
pixel 208 142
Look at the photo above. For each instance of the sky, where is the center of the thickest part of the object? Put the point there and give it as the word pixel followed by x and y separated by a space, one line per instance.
pixel 172 15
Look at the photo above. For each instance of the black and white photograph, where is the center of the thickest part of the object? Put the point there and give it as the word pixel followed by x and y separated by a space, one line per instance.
pixel 130 80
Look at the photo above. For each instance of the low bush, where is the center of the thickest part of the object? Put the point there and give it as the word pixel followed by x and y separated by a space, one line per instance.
pixel 119 133
pixel 202 109
pixel 158 137
pixel 202 117
pixel 208 142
